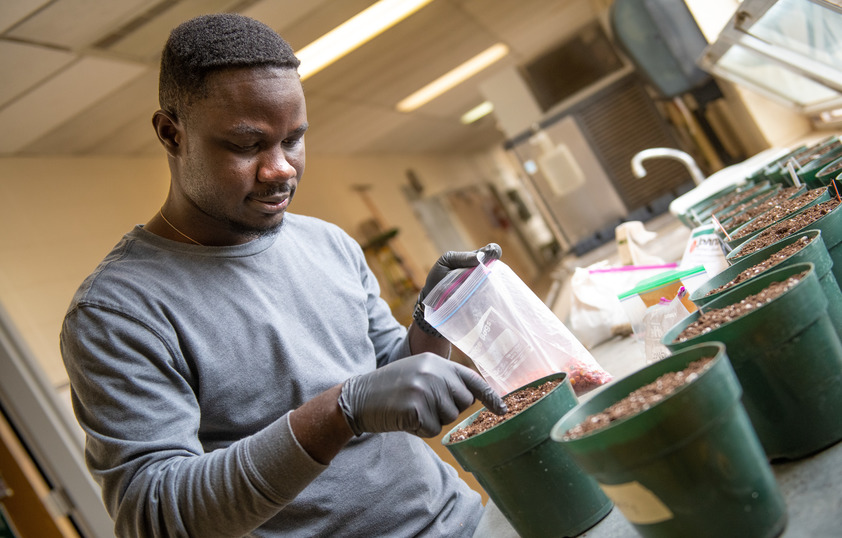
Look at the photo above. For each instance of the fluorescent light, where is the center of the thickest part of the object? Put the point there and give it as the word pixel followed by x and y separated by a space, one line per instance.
pixel 453 78
pixel 356 31
pixel 480 111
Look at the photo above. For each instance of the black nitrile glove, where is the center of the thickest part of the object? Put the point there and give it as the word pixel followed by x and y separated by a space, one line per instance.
pixel 449 261
pixel 418 394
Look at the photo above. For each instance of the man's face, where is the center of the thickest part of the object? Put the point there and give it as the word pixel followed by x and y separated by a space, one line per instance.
pixel 241 154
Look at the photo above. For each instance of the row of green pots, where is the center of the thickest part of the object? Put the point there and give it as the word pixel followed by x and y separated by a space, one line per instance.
pixel 830 226
pixel 699 459
pixel 814 252
pixel 690 465
pixel 811 163
pixel 738 236
pixel 809 160
pixel 788 358
pixel 698 462
pixel 731 224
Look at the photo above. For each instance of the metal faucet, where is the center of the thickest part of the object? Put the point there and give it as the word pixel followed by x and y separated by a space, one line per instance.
pixel 670 153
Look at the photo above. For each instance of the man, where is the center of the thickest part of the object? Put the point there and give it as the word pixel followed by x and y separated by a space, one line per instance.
pixel 232 364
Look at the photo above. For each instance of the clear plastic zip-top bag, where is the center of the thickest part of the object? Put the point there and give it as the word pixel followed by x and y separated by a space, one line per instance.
pixel 511 336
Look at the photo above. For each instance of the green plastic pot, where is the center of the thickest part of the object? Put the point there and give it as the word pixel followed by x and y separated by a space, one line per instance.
pixel 750 202
pixel 763 189
pixel 807 173
pixel 690 465
pixel 774 172
pixel 788 359
pixel 730 227
pixel 736 242
pixel 537 486
pixel 804 156
pixel 814 252
pixel 691 216
pixel 832 171
pixel 830 226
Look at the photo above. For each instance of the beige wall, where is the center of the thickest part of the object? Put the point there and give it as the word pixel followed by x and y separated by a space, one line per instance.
pixel 60 216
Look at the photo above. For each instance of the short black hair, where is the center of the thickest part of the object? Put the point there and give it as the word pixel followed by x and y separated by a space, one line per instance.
pixel 211 43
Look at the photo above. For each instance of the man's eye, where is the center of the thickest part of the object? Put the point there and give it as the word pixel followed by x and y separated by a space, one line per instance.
pixel 245 147
pixel 292 142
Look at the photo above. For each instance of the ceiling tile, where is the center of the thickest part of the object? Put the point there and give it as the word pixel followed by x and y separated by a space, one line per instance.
pixel 91 102
pixel 303 24
pixel 428 135
pixel 405 58
pixel 146 41
pixel 14 11
pixel 103 124
pixel 22 66
pixel 75 24
pixel 342 128
pixel 62 97
pixel 534 25
pixel 298 22
pixel 133 138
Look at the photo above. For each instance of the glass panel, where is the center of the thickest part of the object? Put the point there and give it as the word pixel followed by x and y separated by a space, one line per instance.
pixel 748 66
pixel 804 27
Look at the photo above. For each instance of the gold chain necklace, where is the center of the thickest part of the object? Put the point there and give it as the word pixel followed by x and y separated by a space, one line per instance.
pixel 161 212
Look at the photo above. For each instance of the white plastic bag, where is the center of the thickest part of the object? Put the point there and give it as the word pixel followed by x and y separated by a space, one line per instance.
pixel 596 314
pixel 705 247
pixel 508 332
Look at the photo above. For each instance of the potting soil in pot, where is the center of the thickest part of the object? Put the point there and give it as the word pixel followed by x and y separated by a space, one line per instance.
pixel 516 402
pixel 714 318
pixel 736 197
pixel 736 220
pixel 776 213
pixel 773 260
pixel 533 481
pixel 787 227
pixel 640 400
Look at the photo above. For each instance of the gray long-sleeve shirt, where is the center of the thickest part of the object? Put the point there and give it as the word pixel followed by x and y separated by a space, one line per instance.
pixel 184 362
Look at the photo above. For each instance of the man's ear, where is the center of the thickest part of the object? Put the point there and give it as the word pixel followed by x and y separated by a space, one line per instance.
pixel 168 130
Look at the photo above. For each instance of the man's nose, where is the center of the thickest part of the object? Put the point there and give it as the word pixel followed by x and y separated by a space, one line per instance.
pixel 275 166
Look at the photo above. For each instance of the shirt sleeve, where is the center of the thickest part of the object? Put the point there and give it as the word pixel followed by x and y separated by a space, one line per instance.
pixel 141 417
pixel 389 337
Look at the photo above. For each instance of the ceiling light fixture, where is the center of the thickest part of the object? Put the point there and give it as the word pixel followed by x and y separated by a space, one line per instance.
pixel 356 31
pixel 453 77
pixel 480 111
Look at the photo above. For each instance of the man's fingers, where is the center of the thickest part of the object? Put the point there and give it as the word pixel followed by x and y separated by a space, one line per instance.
pixel 482 391
pixel 463 259
pixel 491 251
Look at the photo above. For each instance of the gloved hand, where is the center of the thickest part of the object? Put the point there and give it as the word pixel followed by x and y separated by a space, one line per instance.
pixel 456 260
pixel 418 394
pixel 447 262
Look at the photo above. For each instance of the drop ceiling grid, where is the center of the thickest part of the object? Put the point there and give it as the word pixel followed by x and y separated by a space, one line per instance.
pixel 23 66
pixel 13 12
